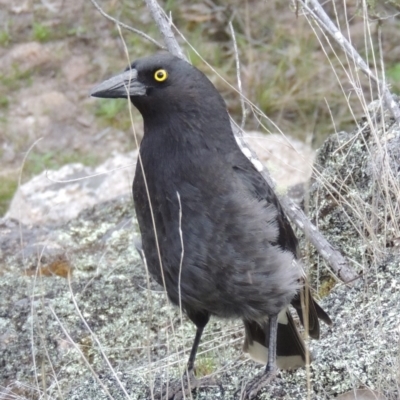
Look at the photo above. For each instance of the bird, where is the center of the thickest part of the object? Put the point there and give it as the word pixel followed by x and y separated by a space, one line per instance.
pixel 213 231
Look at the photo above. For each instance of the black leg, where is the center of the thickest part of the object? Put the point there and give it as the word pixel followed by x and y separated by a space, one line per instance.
pixel 270 370
pixel 200 319
pixel 273 330
pixel 193 352
pixel 189 382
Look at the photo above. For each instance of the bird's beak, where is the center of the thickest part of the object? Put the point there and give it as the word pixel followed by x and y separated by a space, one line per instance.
pixel 123 85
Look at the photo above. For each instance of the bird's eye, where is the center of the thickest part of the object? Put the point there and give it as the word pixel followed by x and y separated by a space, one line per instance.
pixel 160 75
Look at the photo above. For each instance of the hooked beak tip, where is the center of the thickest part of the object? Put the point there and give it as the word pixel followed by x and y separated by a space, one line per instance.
pixel 123 85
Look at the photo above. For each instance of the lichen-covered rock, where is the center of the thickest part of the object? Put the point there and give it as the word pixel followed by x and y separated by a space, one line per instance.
pixel 76 304
pixel 288 160
pixel 81 320
pixel 355 195
pixel 55 197
pixel 355 201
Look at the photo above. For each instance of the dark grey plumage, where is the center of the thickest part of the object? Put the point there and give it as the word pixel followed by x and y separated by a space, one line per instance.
pixel 208 219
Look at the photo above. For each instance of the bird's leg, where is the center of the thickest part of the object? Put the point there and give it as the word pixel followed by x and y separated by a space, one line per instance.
pixel 273 331
pixel 189 382
pixel 270 370
pixel 200 319
pixel 195 346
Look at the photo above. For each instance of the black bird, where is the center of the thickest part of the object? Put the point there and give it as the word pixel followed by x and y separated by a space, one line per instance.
pixel 213 231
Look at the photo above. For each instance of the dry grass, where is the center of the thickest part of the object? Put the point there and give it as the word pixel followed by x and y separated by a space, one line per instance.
pixel 307 88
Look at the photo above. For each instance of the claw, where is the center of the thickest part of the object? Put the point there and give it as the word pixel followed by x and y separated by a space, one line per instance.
pixel 258 383
pixel 182 388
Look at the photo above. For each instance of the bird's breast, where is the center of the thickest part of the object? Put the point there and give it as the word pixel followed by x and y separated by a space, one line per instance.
pixel 209 232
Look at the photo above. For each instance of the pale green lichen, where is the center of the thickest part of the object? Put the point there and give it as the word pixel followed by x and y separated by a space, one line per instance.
pixel 143 336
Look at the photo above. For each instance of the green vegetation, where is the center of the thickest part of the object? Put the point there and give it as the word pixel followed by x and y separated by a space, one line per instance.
pixel 109 108
pixel 5 38
pixel 15 79
pixel 41 33
pixel 4 102
pixel 38 162
pixel 393 75
pixel 113 113
pixel 8 186
pixel 205 365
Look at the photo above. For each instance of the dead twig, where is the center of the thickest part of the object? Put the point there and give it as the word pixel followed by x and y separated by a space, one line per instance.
pixel 129 28
pixel 164 25
pixel 313 8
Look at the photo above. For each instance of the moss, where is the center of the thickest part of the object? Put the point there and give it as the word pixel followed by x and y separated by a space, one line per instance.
pixel 205 365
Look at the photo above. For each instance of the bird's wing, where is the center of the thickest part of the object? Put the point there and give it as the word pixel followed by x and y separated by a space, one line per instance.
pixel 287 240
pixel 257 185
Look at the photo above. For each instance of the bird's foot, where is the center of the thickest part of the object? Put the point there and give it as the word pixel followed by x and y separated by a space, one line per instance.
pixel 182 388
pixel 259 382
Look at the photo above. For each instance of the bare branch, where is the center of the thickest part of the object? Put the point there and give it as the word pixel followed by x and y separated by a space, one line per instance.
pixel 331 255
pixel 122 25
pixel 164 26
pixel 322 19
pixel 239 80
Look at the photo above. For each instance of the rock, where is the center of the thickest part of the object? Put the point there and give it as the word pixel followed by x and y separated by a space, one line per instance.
pixel 288 160
pixel 361 394
pixel 354 196
pixel 354 200
pixel 109 315
pixel 28 260
pixel 44 200
pixel 59 196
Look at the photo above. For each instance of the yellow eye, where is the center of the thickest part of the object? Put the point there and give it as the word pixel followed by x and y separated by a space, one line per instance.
pixel 160 75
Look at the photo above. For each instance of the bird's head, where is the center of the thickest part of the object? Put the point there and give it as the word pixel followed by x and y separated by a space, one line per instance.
pixel 162 83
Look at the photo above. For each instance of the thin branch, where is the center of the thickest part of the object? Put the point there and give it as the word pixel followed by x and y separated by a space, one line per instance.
pixel 322 19
pixel 239 80
pixel 127 27
pixel 164 25
pixel 332 256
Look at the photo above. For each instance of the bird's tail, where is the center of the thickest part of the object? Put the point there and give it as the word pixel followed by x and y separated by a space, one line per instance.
pixel 290 350
pixel 290 347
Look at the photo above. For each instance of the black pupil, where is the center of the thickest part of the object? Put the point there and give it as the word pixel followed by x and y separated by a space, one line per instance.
pixel 160 74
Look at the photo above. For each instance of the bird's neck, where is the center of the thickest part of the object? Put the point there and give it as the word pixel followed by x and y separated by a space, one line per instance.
pixel 190 128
